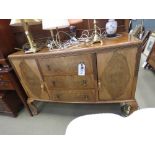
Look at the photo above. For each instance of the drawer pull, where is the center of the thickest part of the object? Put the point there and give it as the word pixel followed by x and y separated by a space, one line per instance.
pixel 58 96
pixel 48 67
pixel 86 97
pixel 84 82
pixel 53 82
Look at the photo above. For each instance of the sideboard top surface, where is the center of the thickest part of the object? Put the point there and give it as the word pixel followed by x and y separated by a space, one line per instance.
pixel 120 41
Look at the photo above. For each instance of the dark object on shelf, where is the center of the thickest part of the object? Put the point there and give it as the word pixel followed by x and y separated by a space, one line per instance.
pixel 111 35
pixel 72 31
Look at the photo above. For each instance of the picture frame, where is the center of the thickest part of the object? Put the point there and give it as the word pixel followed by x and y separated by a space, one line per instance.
pixel 149 45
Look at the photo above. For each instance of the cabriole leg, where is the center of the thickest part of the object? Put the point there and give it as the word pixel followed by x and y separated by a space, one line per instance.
pixel 128 107
pixel 32 106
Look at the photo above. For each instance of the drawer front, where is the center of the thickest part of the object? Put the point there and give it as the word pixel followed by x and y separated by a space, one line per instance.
pixel 65 65
pixel 4 85
pixel 70 82
pixel 4 77
pixel 73 95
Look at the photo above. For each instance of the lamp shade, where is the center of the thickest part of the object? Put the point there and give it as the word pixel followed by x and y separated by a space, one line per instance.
pixel 18 22
pixel 49 24
pixel 74 21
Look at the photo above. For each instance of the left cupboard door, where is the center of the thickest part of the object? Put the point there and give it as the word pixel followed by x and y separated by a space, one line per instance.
pixel 30 77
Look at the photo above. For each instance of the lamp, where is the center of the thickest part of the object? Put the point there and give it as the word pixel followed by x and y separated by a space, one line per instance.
pixel 74 21
pixel 50 24
pixel 25 23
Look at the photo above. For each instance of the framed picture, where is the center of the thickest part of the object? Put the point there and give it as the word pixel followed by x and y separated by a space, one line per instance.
pixel 149 44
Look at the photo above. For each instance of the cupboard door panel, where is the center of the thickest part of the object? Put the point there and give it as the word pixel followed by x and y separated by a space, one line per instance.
pixel 116 71
pixel 30 77
pixel 67 65
pixel 70 82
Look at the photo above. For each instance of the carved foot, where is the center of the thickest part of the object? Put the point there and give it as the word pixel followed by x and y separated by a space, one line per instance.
pixel 128 108
pixel 32 106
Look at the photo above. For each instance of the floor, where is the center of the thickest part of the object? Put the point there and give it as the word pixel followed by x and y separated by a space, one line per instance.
pixel 54 118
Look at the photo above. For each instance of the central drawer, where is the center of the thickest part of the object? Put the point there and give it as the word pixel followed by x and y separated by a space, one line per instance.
pixel 73 95
pixel 70 82
pixel 67 65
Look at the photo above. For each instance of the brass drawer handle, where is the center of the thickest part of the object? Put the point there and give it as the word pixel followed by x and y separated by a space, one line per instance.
pixel 84 82
pixel 48 67
pixel 54 83
pixel 86 97
pixel 58 96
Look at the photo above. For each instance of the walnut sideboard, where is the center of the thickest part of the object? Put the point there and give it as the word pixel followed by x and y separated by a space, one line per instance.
pixel 109 76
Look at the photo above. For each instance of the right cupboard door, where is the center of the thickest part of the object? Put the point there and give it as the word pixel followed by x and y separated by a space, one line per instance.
pixel 117 73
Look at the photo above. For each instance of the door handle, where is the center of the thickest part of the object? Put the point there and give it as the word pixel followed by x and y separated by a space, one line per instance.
pixel 99 84
pixel 42 86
